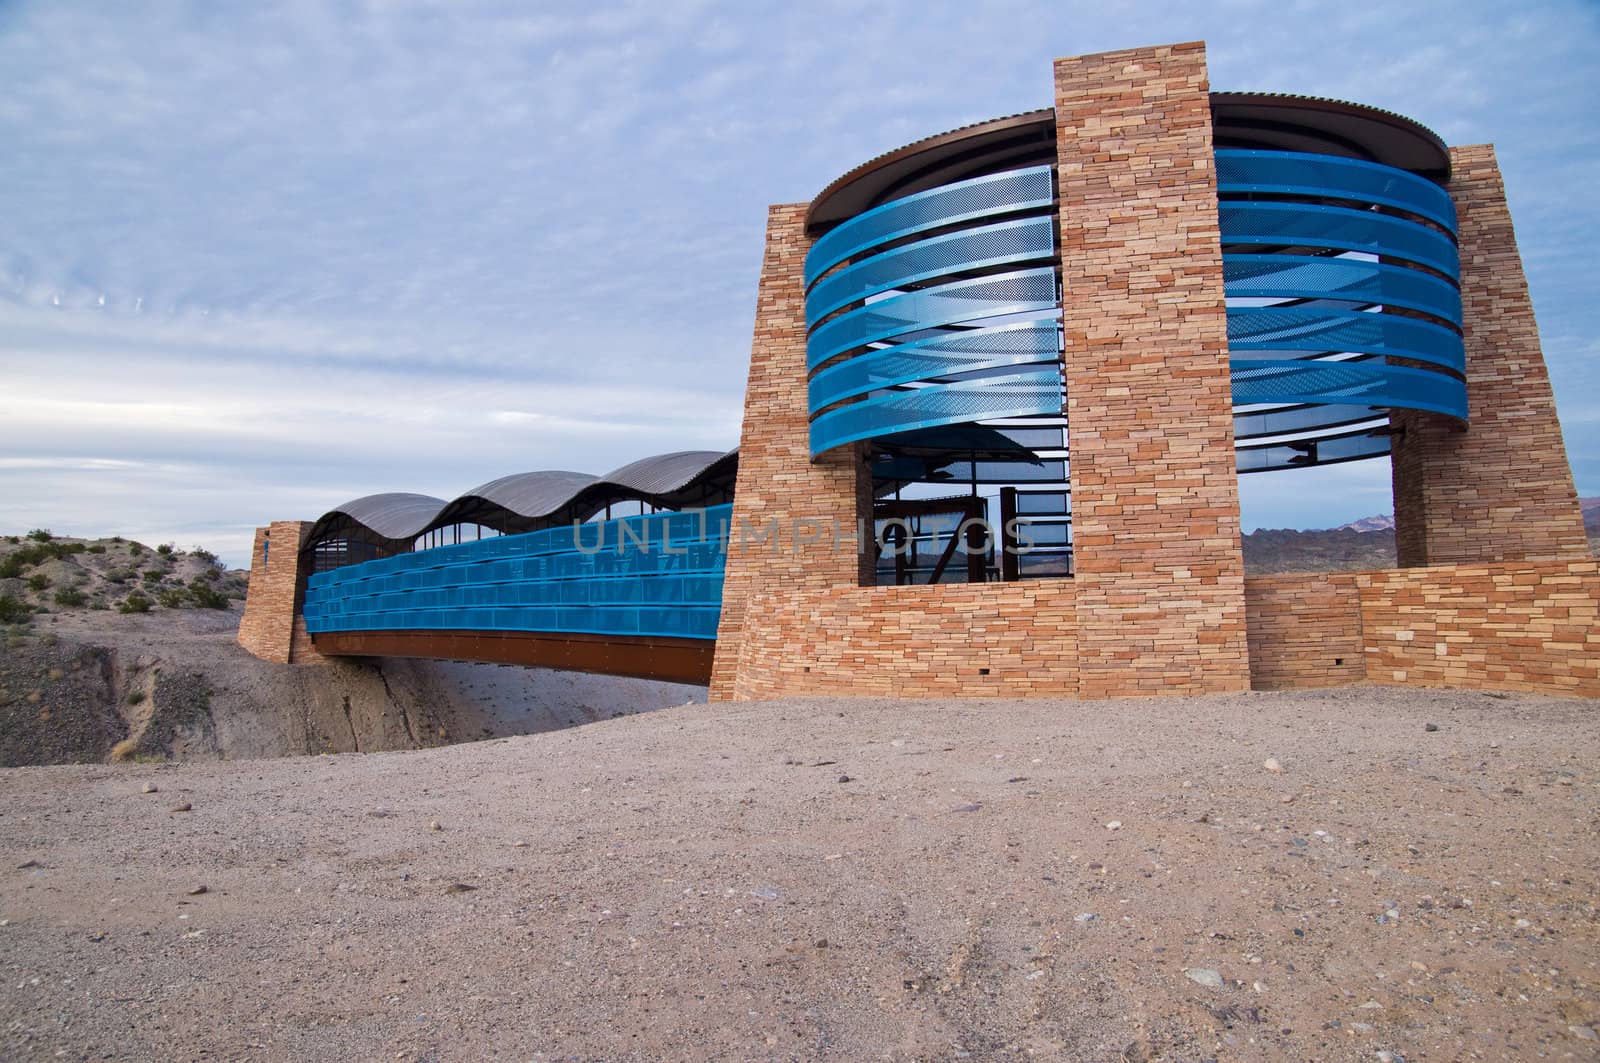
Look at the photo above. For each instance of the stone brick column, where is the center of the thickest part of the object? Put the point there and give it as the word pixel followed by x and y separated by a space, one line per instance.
pixel 780 491
pixel 1501 490
pixel 272 627
pixel 1155 495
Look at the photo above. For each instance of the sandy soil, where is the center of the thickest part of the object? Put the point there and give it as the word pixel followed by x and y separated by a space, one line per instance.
pixel 837 880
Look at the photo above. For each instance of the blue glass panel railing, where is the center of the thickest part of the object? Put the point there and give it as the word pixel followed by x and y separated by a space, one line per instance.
pixel 655 575
pixel 980 197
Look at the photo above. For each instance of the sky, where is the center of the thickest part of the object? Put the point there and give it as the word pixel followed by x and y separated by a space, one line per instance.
pixel 259 259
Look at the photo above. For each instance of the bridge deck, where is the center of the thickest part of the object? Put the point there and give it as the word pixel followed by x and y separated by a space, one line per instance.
pixel 676 660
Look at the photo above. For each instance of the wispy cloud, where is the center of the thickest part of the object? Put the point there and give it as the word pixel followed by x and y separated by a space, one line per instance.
pixel 301 251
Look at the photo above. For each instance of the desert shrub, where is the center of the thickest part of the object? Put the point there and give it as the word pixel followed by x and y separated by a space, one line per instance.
pixel 97 548
pixel 38 581
pixel 70 596
pixel 116 538
pixel 120 575
pixel 136 549
pixel 154 575
pixel 97 604
pixel 14 563
pixel 171 599
pixel 135 603
pixel 40 535
pixel 13 538
pixel 202 554
pixel 165 549
pixel 135 696
pixel 13 610
pixel 207 597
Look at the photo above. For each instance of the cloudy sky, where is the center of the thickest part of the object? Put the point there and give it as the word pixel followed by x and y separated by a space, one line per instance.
pixel 257 259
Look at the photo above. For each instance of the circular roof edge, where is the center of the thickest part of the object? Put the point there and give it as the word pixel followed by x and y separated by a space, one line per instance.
pixel 1264 119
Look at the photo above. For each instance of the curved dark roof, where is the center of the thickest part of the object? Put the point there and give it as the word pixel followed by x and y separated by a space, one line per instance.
pixel 1241 119
pixel 396 515
pixel 1285 122
pixel 665 473
pixel 529 500
pixel 1015 140
pixel 531 494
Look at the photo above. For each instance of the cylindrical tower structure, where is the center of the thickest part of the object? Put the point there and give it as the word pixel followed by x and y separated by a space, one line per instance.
pixel 933 288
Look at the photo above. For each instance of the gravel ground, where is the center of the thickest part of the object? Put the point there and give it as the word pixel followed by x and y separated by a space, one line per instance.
pixel 841 880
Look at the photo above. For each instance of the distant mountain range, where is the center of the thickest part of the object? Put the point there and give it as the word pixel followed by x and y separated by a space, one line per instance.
pixel 1383 522
pixel 1361 544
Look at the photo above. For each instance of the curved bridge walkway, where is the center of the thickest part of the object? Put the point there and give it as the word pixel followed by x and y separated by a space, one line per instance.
pixel 636 596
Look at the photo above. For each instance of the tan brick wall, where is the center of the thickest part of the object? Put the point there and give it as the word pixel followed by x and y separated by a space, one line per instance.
pixel 1305 630
pixel 1527 626
pixel 1501 490
pixel 1155 495
pixel 778 483
pixel 1516 626
pixel 912 642
pixel 301 649
pixel 272 602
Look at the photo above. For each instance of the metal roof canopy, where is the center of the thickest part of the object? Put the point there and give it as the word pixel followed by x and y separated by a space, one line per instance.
pixel 1240 119
pixel 527 501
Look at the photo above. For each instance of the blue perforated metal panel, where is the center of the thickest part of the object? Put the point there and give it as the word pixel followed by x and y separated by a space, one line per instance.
pixel 1032 392
pixel 1007 243
pixel 938 356
pixel 1331 177
pixel 1023 291
pixel 1304 277
pixel 953 352
pixel 981 197
pixel 1338 229
pixel 651 575
pixel 1366 383
pixel 1418 272
pixel 1274 328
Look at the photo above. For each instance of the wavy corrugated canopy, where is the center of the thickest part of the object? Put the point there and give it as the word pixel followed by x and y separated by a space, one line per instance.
pixel 529 501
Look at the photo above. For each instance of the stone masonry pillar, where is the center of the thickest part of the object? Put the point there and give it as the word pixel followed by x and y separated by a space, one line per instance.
pixel 1155 494
pixel 804 508
pixel 272 603
pixel 1500 490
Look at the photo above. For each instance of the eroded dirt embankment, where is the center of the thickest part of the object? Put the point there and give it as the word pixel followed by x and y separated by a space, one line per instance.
pixel 85 687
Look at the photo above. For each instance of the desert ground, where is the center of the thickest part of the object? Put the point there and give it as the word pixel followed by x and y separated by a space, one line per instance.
pixel 1363 874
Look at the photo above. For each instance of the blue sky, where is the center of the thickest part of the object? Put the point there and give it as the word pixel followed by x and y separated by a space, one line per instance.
pixel 261 258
